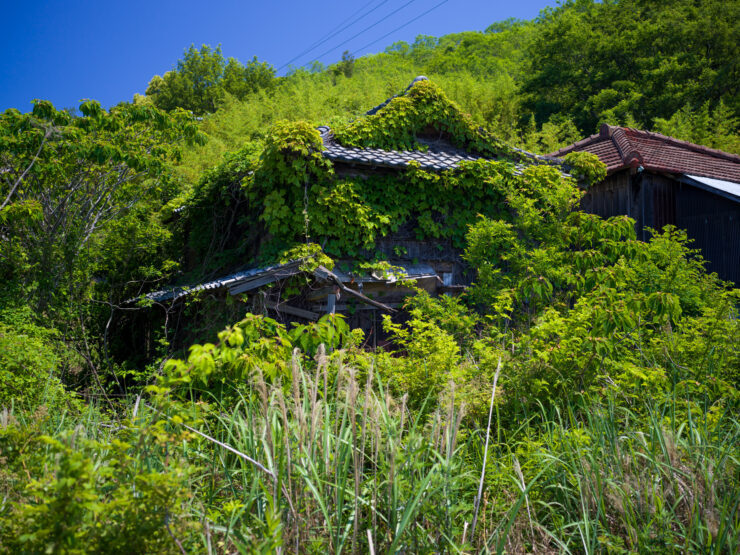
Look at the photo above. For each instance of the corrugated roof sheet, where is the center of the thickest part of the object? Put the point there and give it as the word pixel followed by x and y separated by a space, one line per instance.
pixel 622 147
pixel 229 281
pixel 411 271
pixel 257 277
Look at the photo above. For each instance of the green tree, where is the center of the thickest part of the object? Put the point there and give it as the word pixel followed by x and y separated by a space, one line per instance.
pixel 594 60
pixel 346 67
pixel 201 78
pixel 79 205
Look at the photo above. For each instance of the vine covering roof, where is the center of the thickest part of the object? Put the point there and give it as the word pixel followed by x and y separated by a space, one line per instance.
pixel 421 125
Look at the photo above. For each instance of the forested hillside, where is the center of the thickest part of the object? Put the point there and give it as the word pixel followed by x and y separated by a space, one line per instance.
pixel 670 67
pixel 580 395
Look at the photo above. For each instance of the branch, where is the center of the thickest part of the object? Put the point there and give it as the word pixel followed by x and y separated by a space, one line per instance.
pixel 323 273
pixel 28 169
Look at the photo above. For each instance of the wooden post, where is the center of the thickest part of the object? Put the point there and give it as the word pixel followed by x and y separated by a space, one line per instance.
pixel 331 303
pixel 447 281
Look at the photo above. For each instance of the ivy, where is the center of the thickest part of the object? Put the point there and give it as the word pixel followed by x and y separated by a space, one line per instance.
pixel 290 193
pixel 423 110
pixel 585 167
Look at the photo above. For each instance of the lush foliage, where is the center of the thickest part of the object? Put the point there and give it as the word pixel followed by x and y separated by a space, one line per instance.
pixel 622 62
pixel 203 77
pixel 607 61
pixel 290 193
pixel 579 397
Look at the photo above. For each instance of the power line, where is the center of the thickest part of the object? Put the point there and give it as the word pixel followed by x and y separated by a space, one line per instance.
pixel 402 26
pixel 336 30
pixel 333 33
pixel 368 28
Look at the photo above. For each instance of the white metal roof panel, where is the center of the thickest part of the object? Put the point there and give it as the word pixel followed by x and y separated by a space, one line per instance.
pixel 727 187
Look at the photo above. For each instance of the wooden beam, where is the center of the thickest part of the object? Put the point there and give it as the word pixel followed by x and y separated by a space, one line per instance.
pixel 292 310
pixel 328 275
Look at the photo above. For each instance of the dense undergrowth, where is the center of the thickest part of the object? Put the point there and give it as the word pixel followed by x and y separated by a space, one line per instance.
pixel 580 397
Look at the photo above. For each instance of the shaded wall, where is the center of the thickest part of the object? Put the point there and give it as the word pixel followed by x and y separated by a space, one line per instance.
pixel 655 200
pixel 714 224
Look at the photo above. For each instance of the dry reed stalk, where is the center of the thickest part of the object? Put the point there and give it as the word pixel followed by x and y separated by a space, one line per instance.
pixel 485 451
pixel 437 435
pixel 392 448
pixel 376 458
pixel 404 400
pixel 322 361
pixel 261 386
pixel 370 542
pixel 280 397
pixel 354 391
pixel 456 428
pixel 362 455
pixel 295 365
pixel 338 389
pixel 449 420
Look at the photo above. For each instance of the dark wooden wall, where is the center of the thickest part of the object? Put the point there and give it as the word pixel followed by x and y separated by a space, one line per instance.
pixel 617 195
pixel 655 200
pixel 714 224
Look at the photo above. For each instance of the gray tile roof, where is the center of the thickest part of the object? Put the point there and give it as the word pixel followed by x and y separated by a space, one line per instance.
pixel 438 157
pixel 436 160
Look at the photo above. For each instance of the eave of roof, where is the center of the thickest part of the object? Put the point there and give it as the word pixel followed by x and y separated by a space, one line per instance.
pixel 248 280
pixel 230 281
pixel 726 189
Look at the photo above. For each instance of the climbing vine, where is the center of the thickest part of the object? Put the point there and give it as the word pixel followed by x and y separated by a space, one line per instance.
pixel 423 111
pixel 585 167
pixel 290 194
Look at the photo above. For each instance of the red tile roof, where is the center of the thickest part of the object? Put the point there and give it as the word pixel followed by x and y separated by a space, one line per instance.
pixel 623 147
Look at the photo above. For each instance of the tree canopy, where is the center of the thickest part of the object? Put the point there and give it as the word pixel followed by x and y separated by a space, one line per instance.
pixel 604 61
pixel 202 77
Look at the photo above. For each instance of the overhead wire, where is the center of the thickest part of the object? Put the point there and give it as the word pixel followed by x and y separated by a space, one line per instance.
pixel 367 29
pixel 402 26
pixel 336 30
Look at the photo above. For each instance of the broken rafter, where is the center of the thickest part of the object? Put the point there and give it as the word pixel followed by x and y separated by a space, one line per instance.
pixel 323 273
pixel 292 310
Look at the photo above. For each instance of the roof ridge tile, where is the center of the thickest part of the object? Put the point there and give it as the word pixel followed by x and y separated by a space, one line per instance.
pixel 583 142
pixel 622 147
pixel 684 144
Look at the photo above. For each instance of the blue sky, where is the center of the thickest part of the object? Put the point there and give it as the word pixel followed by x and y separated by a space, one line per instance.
pixel 65 51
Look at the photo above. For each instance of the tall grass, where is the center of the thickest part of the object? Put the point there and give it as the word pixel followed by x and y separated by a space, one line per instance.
pixel 348 459
pixel 348 468
pixel 610 479
pixel 356 469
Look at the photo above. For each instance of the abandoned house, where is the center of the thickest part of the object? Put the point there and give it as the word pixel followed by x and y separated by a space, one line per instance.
pixel 659 181
pixel 435 264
